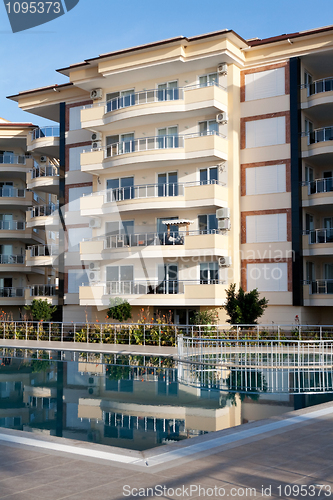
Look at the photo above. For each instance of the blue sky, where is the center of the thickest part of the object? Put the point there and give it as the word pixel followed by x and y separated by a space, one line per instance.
pixel 30 58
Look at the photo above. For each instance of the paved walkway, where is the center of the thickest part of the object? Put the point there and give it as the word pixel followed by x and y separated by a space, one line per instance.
pixel 284 457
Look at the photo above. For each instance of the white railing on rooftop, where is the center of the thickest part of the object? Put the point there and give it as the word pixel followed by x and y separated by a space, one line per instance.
pixel 12 159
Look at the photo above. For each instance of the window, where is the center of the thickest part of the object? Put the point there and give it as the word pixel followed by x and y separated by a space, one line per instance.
pixel 119 233
pixel 264 84
pixel 209 273
pixel 76 235
pixel 310 271
pixel 168 137
pixel 168 91
pixel 208 224
pixel 118 100
pixel 309 222
pixel 208 127
pixel 309 174
pixel 209 175
pixel 119 273
pixel 266 228
pixel 307 78
pixel 268 277
pixel 75 118
pixel 120 189
pixel 74 195
pixel 77 278
pixel 265 180
pixel 75 158
pixel 207 80
pixel 167 278
pixel 127 143
pixel 168 184
pixel 267 132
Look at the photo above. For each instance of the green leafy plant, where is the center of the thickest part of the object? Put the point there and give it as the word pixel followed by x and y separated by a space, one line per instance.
pixel 119 309
pixel 244 308
pixel 41 310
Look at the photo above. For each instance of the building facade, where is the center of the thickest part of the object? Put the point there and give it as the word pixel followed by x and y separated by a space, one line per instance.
pixel 193 163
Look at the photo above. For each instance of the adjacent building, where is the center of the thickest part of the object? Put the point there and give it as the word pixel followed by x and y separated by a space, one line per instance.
pixel 192 163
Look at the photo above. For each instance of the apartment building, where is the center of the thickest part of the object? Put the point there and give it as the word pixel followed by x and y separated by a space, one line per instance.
pixel 192 163
pixel 26 271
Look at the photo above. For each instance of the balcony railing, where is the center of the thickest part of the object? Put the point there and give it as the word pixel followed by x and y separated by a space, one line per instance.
pixel 11 292
pixel 320 135
pixel 43 290
pixel 12 159
pixel 152 190
pixel 10 192
pixel 11 259
pixel 12 225
pixel 43 210
pixel 47 171
pixel 320 286
pixel 321 236
pixel 43 250
pixel 323 85
pixel 38 133
pixel 154 239
pixel 320 185
pixel 138 287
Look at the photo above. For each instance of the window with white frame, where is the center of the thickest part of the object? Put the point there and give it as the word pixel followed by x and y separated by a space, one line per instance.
pixel 209 175
pixel 266 179
pixel 272 277
pixel 210 79
pixel 74 195
pixel 309 174
pixel 266 228
pixel 269 83
pixel 75 117
pixel 77 278
pixel 76 235
pixel 266 132
pixel 208 127
pixel 208 224
pixel 209 273
pixel 75 157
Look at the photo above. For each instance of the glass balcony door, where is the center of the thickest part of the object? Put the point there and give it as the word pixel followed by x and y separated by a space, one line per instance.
pixel 127 143
pixel 209 175
pixel 206 80
pixel 168 184
pixel 168 91
pixel 209 273
pixel 208 127
pixel 168 137
pixel 168 279
pixel 208 224
pixel 121 188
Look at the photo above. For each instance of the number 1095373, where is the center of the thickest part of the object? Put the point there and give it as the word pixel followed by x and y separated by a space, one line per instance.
pixel 33 7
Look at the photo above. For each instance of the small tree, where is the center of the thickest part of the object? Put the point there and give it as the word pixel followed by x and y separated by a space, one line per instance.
pixel 119 309
pixel 41 310
pixel 244 308
pixel 207 317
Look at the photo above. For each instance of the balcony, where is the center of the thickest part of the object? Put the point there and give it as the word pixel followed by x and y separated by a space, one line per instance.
pixel 11 259
pixel 44 178
pixel 44 292
pixel 318 142
pixel 167 293
pixel 11 292
pixel 45 141
pixel 318 93
pixel 157 151
pixel 12 225
pixel 319 86
pixel 41 255
pixel 18 165
pixel 12 159
pixel 318 242
pixel 10 196
pixel 155 106
pixel 318 192
pixel 43 215
pixel 318 293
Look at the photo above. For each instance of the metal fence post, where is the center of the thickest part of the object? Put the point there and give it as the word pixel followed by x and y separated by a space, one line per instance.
pixel 258 335
pixel 15 330
pixel 38 325
pixel 74 331
pixel 49 332
pixel 62 332
pixel 101 334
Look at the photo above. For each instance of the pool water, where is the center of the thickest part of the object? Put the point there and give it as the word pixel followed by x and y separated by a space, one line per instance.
pixel 135 402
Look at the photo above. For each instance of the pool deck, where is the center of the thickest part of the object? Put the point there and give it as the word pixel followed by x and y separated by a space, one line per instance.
pixel 293 449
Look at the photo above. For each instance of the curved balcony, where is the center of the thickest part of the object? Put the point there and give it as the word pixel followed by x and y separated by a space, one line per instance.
pixel 178 243
pixel 44 178
pixel 41 255
pixel 318 293
pixel 318 242
pixel 318 93
pixel 155 196
pixel 10 196
pixel 154 292
pixel 43 215
pixel 18 164
pixel 158 151
pixel 45 141
pixel 18 230
pixel 318 192
pixel 12 263
pixel 318 142
pixel 154 106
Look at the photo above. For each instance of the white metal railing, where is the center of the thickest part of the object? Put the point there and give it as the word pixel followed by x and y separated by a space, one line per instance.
pixel 42 290
pixel 324 185
pixel 153 190
pixel 43 250
pixel 11 259
pixel 43 210
pixel 153 238
pixel 320 236
pixel 11 192
pixel 11 292
pixel 323 85
pixel 324 286
pixel 12 159
pixel 320 135
pixel 12 225
pixel 47 171
pixel 38 133
pixel 140 287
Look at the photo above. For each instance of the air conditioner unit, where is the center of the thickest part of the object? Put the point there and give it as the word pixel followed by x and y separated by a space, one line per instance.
pixel 93 266
pixel 96 94
pixel 43 159
pixel 222 118
pixel 96 136
pixel 222 69
pixel 224 224
pixel 93 391
pixel 223 213
pixel 94 276
pixel 91 381
pixel 94 223
pixel 96 145
pixel 225 261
